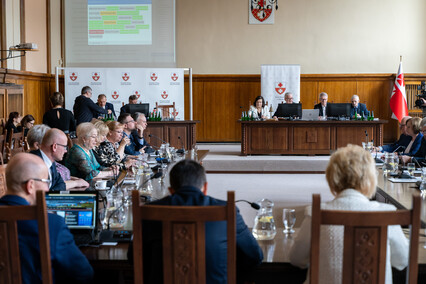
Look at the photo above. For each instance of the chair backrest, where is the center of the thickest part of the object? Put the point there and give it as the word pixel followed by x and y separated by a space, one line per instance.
pixel 2 125
pixel 165 110
pixel 2 148
pixel 3 187
pixel 9 215
pixel 175 221
pixel 16 140
pixel 358 225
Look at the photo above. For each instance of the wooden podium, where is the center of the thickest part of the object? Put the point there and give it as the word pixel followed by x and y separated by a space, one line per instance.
pixel 306 137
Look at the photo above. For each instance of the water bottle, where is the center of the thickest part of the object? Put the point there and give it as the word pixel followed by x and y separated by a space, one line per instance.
pixel 264 224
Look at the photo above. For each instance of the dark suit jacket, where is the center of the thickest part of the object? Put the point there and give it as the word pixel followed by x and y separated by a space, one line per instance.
pixel 420 155
pixel 108 106
pixel 58 183
pixel 124 109
pixel 361 108
pixel 69 265
pixel 403 141
pixel 416 145
pixel 327 109
pixel 249 253
pixel 135 145
pixel 140 145
pixel 85 109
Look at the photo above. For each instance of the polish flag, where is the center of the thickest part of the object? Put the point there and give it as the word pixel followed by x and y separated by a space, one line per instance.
pixel 398 100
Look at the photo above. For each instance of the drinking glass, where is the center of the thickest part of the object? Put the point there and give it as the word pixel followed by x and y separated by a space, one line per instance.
pixel 289 219
pixel 411 168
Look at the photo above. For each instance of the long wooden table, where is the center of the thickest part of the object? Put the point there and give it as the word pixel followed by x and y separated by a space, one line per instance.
pixel 306 137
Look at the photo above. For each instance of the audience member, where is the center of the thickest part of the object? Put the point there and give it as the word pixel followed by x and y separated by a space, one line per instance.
pixel 413 130
pixel 188 187
pixel 357 107
pixel 84 108
pixel 59 117
pixel 51 150
pixel 26 174
pixel 80 159
pixel 403 141
pixel 102 102
pixel 102 129
pixel 351 175
pixel 137 134
pixel 420 156
pixel 259 109
pixel 26 123
pixel 324 110
pixel 133 99
pixel 133 147
pixel 12 124
pixel 288 97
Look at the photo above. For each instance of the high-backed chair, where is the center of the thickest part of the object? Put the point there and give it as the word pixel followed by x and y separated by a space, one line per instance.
pixel 165 110
pixel 183 234
pixel 10 271
pixel 358 227
pixel 2 148
pixel 2 180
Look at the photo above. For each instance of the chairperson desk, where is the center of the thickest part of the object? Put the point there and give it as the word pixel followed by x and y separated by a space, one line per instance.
pixel 306 137
pixel 169 131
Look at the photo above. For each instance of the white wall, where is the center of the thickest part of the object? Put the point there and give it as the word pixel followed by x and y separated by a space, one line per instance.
pixel 13 31
pixel 328 36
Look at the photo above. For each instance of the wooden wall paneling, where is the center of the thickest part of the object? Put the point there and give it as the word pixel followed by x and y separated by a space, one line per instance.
pixel 309 94
pixel 246 93
pixel 339 91
pixel 198 108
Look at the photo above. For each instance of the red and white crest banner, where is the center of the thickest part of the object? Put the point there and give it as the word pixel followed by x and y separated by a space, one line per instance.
pixel 398 100
pixel 150 85
pixel 276 80
pixel 261 12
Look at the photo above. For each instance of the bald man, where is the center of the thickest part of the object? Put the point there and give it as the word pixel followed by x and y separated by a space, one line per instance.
pixel 52 148
pixel 357 107
pixel 403 140
pixel 25 175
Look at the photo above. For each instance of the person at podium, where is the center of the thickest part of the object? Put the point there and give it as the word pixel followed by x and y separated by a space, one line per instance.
pixel 259 109
pixel 357 107
pixel 324 110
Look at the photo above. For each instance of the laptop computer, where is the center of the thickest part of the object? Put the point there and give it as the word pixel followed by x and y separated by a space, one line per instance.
pixel 79 210
pixel 310 114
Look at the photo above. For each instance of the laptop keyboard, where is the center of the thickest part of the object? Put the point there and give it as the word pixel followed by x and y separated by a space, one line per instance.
pixel 83 239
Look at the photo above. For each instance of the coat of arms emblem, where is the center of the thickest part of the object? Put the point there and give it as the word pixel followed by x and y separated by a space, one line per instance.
pixel 115 95
pixel 154 76
pixel 125 76
pixel 174 76
pixel 95 76
pixel 73 76
pixel 164 95
pixel 279 88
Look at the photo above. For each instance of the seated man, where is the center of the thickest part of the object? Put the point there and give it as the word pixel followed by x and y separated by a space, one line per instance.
pixel 25 174
pixel 188 186
pixel 403 140
pixel 138 133
pixel 324 110
pixel 357 107
pixel 102 102
pixel 288 97
pixel 133 99
pixel 134 147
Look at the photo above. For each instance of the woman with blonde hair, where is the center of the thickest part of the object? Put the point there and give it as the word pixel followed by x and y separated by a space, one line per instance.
pixel 352 177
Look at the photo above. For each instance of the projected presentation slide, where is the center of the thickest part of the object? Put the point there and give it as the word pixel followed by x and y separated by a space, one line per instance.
pixel 115 22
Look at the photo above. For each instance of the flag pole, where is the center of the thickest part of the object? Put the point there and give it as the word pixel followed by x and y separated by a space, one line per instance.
pixel 400 58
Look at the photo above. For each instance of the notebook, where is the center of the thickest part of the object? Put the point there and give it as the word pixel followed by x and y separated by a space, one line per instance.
pixel 79 210
pixel 310 114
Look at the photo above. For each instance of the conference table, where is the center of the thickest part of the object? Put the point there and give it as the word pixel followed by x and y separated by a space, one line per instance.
pixel 306 137
pixel 111 265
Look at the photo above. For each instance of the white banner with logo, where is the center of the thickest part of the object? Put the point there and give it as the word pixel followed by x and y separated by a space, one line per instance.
pixel 162 85
pixel 276 80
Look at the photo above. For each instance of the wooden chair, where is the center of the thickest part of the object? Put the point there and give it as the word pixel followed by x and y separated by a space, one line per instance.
pixel 10 271
pixel 2 125
pixel 3 187
pixel 165 110
pixel 176 220
pixel 2 148
pixel 357 226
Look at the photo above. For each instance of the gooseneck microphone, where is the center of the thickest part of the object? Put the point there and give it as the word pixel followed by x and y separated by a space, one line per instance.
pixel 253 205
pixel 157 175
pixel 156 137
pixel 182 149
pixel 417 162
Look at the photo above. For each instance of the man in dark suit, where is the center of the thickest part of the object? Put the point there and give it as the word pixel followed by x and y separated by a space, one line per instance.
pixel 26 174
pixel 133 99
pixel 357 107
pixel 134 147
pixel 85 109
pixel 403 141
pixel 324 110
pixel 137 134
pixel 188 187
pixel 52 148
pixel 102 102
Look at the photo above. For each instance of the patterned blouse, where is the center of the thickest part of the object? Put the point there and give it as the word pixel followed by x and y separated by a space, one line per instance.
pixel 81 164
pixel 107 156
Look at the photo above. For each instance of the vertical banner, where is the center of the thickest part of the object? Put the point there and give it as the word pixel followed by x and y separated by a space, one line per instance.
pixel 150 85
pixel 276 80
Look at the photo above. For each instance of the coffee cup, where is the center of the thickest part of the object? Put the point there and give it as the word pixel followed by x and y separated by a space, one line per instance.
pixel 101 184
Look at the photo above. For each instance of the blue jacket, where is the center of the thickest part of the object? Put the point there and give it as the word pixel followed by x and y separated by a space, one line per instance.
pixel 136 145
pixel 403 141
pixel 69 265
pixel 249 253
pixel 416 145
pixel 58 183
pixel 108 106
pixel 361 108
pixel 420 155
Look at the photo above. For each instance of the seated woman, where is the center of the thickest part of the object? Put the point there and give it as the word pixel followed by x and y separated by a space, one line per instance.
pixel 351 175
pixel 80 159
pixel 259 109
pixel 26 123
pixel 420 156
pixel 413 130
pixel 110 152
pixel 58 117
pixel 12 124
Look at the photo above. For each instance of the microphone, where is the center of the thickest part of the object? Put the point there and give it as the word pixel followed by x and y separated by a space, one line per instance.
pixel 181 150
pixel 157 175
pixel 366 136
pixel 253 205
pixel 417 162
pixel 152 135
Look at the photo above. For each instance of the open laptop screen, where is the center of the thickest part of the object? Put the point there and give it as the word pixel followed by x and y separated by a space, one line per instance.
pixel 78 209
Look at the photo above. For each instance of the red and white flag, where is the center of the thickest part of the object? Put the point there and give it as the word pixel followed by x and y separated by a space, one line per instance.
pixel 398 100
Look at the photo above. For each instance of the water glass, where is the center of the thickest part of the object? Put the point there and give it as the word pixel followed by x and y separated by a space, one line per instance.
pixel 289 219
pixel 411 167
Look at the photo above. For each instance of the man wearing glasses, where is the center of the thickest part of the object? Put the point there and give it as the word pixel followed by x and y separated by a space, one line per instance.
pixel 133 148
pixel 403 140
pixel 85 109
pixel 25 175
pixel 52 148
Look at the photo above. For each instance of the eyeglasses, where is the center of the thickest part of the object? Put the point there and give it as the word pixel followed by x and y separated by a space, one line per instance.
pixel 130 121
pixel 119 132
pixel 65 146
pixel 48 181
